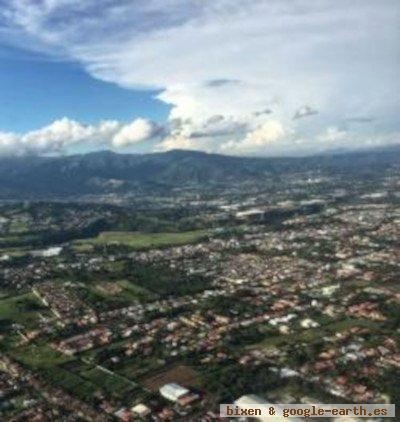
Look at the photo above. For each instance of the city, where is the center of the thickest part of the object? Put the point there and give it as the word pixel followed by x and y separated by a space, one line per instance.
pixel 288 292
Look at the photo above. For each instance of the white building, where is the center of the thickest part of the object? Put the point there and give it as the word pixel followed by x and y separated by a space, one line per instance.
pixel 173 391
pixel 141 410
pixel 250 213
pixel 308 323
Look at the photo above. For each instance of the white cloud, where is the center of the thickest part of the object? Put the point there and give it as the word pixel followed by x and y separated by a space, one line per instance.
pixel 8 141
pixel 179 142
pixel 63 134
pixel 219 57
pixel 270 131
pixel 137 131
pixel 202 134
pixel 270 137
pixel 56 136
pixel 332 135
pixel 257 140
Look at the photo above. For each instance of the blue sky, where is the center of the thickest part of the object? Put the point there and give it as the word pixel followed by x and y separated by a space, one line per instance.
pixel 245 77
pixel 36 90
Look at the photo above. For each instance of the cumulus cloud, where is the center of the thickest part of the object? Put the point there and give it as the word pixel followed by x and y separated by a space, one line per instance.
pixel 63 134
pixel 270 131
pixel 218 57
pixel 57 135
pixel 333 135
pixel 137 131
pixel 49 139
pixel 256 140
pixel 178 141
pixel 8 143
pixel 203 134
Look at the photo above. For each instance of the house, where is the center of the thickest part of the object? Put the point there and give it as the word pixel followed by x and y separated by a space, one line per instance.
pixel 141 410
pixel 308 323
pixel 123 414
pixel 188 399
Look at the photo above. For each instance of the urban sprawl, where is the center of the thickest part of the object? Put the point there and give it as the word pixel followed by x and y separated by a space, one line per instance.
pixel 161 308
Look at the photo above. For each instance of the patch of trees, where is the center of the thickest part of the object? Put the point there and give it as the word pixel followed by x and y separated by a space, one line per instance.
pixel 164 281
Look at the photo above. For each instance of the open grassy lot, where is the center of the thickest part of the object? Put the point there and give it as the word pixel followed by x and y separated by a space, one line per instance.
pixel 161 280
pixel 14 252
pixel 49 363
pixel 113 294
pixel 139 240
pixel 112 383
pixel 81 247
pixel 133 290
pixel 72 383
pixel 39 356
pixel 5 241
pixel 121 288
pixel 23 309
pixel 17 226
pixel 134 369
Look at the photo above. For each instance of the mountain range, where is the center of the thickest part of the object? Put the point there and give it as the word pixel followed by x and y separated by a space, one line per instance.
pixel 98 173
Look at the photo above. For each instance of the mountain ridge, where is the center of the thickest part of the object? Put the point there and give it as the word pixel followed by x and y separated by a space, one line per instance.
pixel 106 171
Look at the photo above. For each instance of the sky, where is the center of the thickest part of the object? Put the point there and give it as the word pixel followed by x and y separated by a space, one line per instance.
pixel 243 77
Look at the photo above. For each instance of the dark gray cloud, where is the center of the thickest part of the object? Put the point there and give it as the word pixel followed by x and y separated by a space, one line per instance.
pixel 304 111
pixel 360 119
pixel 217 83
pixel 262 112
pixel 219 126
pixel 215 119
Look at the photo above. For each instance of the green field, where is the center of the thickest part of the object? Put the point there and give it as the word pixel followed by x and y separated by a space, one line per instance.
pixel 17 226
pixel 50 363
pixel 127 292
pixel 23 309
pixel 40 356
pixel 72 383
pixel 113 384
pixel 133 290
pixel 81 247
pixel 138 240
pixel 8 240
pixel 14 252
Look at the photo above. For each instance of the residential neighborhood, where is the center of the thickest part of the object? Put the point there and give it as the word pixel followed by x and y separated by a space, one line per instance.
pixel 290 301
